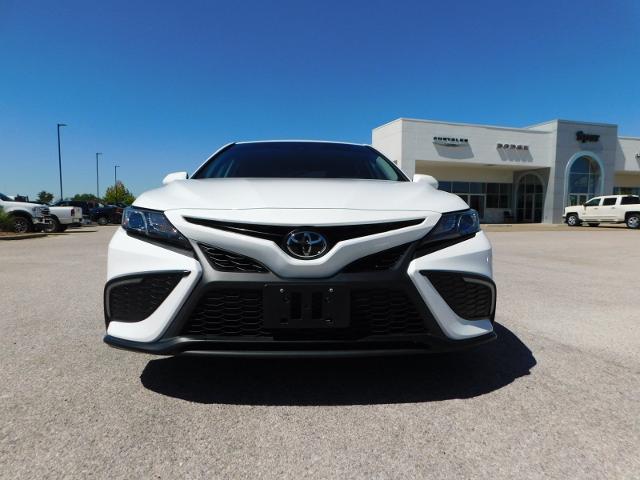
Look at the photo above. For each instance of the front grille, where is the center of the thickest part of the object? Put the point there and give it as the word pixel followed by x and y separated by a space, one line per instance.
pixel 385 312
pixel 464 295
pixel 231 262
pixel 134 299
pixel 279 233
pixel 378 261
pixel 239 313
pixel 228 312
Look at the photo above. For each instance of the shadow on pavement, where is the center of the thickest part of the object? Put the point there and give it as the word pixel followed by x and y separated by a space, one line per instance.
pixel 351 381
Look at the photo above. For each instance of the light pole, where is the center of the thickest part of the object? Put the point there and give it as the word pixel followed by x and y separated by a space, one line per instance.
pixel 115 180
pixel 97 177
pixel 60 158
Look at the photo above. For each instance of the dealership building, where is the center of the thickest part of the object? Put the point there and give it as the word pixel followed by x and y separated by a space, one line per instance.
pixel 516 174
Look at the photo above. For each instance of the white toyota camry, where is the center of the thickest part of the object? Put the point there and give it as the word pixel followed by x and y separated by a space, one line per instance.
pixel 298 248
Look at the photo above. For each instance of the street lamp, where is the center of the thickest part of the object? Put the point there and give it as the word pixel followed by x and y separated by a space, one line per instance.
pixel 60 158
pixel 115 180
pixel 97 177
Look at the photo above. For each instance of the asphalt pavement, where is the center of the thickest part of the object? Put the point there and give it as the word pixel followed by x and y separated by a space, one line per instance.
pixel 557 396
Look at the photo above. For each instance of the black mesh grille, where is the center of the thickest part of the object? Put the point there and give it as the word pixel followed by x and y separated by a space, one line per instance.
pixel 231 262
pixel 238 313
pixel 228 312
pixel 134 299
pixel 385 312
pixel 378 261
pixel 467 298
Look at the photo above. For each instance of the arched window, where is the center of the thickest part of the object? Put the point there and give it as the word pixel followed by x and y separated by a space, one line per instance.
pixel 584 180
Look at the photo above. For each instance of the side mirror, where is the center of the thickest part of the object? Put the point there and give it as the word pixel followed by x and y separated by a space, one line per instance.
pixel 172 177
pixel 419 178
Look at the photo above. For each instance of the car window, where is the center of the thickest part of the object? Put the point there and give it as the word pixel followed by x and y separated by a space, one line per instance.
pixel 300 160
pixel 594 202
pixel 609 201
pixel 630 200
pixel 4 197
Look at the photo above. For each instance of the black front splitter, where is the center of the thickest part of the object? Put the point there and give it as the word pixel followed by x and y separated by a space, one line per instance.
pixel 262 349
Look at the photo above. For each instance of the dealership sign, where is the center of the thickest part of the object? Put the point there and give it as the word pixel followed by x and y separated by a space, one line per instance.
pixel 512 146
pixel 586 137
pixel 451 141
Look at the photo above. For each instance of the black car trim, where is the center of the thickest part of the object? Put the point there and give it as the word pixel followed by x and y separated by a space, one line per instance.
pixel 131 278
pixel 278 233
pixel 471 277
pixel 191 346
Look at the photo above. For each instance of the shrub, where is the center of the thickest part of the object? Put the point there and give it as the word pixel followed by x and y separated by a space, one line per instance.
pixel 6 222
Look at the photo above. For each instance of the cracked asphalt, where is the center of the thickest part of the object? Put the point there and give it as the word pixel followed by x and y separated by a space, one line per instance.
pixel 557 396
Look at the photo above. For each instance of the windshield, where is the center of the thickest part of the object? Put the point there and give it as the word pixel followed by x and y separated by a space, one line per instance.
pixel 300 160
pixel 4 197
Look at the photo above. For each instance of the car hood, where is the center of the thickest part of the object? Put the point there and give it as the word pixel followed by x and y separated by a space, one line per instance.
pixel 262 193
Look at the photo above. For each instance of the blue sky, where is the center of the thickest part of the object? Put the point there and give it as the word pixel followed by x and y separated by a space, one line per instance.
pixel 157 86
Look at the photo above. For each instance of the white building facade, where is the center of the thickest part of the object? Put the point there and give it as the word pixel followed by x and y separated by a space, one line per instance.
pixel 516 174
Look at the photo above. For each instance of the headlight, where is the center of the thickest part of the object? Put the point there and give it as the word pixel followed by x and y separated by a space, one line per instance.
pixel 451 228
pixel 152 224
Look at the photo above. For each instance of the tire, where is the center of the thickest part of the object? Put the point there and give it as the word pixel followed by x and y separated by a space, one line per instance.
pixel 102 221
pixel 594 224
pixel 633 221
pixel 52 227
pixel 573 220
pixel 22 225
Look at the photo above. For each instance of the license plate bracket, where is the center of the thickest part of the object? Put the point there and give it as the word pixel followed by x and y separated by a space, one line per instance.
pixel 306 307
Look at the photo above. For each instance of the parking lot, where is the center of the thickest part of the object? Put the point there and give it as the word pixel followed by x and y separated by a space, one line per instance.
pixel 557 396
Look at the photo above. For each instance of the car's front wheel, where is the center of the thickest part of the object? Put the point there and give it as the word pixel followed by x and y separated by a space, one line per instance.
pixel 573 220
pixel 633 220
pixel 102 221
pixel 22 225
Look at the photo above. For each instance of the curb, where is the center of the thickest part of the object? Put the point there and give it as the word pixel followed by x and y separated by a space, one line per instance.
pixel 23 237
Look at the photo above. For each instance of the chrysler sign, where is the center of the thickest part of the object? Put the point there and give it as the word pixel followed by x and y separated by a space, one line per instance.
pixel 451 141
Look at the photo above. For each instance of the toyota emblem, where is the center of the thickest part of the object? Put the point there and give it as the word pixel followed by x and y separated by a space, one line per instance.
pixel 306 244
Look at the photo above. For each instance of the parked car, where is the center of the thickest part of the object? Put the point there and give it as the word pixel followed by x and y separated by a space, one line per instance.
pixel 299 248
pixel 106 214
pixel 86 206
pixel 27 216
pixel 63 218
pixel 95 211
pixel 605 209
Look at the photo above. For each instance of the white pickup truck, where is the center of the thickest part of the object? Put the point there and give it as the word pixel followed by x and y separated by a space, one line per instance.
pixel 26 216
pixel 63 217
pixel 606 209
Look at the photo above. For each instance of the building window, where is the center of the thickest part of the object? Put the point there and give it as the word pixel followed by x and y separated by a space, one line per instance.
pixel 626 190
pixel 584 180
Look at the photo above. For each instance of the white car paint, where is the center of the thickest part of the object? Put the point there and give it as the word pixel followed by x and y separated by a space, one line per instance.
pixel 67 215
pixel 302 202
pixel 605 209
pixel 36 213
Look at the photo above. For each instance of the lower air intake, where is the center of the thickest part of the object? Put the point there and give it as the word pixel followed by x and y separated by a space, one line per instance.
pixel 133 299
pixel 470 296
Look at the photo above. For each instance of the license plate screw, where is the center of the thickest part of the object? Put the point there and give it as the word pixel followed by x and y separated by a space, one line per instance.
pixel 282 290
pixel 328 320
pixel 331 290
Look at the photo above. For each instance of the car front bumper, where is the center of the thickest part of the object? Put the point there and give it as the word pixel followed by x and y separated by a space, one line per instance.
pixel 165 330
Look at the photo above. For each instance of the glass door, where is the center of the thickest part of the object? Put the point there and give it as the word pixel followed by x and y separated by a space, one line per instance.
pixel 475 201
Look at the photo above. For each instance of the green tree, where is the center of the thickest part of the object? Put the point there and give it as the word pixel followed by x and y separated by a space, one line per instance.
pixel 118 193
pixel 85 197
pixel 45 197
